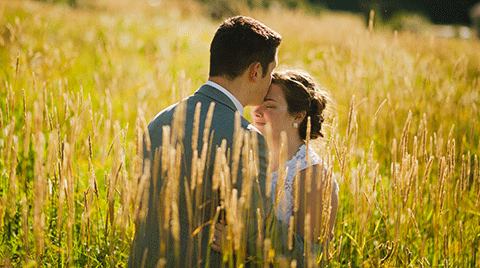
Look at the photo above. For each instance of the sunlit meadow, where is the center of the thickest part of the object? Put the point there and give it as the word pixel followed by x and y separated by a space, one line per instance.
pixel 78 87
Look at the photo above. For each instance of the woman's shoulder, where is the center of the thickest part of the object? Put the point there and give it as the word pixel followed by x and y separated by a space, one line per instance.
pixel 307 157
pixel 317 166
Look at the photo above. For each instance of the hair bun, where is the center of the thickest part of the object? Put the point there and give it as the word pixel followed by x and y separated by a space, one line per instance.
pixel 303 95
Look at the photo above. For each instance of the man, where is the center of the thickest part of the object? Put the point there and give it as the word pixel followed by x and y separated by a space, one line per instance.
pixel 176 229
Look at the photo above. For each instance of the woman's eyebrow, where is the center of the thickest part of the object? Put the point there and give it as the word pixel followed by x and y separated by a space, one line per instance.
pixel 269 99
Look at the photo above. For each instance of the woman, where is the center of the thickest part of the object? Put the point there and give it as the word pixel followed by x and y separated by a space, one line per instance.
pixel 294 97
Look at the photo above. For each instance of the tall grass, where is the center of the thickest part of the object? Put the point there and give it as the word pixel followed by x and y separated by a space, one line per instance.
pixel 79 87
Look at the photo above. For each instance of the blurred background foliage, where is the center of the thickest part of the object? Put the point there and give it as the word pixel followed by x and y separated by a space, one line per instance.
pixel 409 15
pixel 84 75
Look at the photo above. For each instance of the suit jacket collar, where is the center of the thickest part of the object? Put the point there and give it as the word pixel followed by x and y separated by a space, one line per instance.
pixel 216 95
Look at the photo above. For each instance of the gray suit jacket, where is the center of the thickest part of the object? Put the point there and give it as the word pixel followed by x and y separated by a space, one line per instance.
pixel 152 241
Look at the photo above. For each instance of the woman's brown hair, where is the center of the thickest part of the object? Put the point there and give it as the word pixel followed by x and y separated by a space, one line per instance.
pixel 302 94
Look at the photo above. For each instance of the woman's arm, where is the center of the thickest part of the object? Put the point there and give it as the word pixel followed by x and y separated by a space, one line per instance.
pixel 310 202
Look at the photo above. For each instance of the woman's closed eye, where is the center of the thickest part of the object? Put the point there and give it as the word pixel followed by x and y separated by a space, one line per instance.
pixel 269 104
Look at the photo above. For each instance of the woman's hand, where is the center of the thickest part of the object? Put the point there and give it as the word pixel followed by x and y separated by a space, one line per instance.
pixel 219 235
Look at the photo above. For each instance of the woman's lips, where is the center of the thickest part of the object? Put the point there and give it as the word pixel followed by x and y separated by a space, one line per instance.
pixel 259 123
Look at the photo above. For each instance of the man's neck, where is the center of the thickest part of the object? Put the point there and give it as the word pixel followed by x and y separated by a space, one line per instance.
pixel 236 87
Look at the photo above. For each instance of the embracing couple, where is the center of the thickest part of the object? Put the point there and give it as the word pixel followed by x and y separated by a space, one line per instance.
pixel 285 198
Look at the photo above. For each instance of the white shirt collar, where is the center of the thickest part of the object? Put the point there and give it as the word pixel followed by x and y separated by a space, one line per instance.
pixel 237 104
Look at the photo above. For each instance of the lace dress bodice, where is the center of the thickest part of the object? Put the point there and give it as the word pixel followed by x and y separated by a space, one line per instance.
pixel 285 202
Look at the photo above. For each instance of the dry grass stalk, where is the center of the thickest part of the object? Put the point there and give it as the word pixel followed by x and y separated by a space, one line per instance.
pixel 374 120
pixel 451 154
pixel 354 138
pixel 25 227
pixel 39 188
pixel 370 21
pixel 175 226
pixel 138 160
pixel 250 171
pixel 217 179
pixel 61 190
pixel 426 174
pixel 310 258
pixel 254 153
pixel 236 221
pixel 205 147
pixel 450 191
pixel 423 138
pixel 141 207
pixel 165 151
pixel 11 129
pixel 270 164
pixel 24 110
pixel 350 116
pixel 394 166
pixel 296 187
pixel 196 126
pixel 443 179
pixel 12 188
pixel 282 173
pixel 162 262
pixel 259 231
pixel 268 252
pixel 290 232
pixel 178 124
pixel 107 122
pixel 410 179
pixel 137 170
pixel 375 179
pixel 91 190
pixel 477 203
pixel 212 231
pixel 404 139
pixel 10 100
pixel 70 195
pixel 476 178
pixel 111 185
pixel 370 160
pixel 412 216
pixel 415 148
pixel 126 187
pixel 343 158
pixel 308 175
pixel 1 119
pixel 175 187
pixel 237 145
pixel 325 179
pixel 464 172
pixel 476 171
pixel 466 180
pixel 27 135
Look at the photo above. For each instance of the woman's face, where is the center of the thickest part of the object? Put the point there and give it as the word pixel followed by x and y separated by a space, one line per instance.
pixel 273 111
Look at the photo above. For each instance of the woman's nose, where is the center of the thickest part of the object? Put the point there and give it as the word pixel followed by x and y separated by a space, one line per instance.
pixel 257 111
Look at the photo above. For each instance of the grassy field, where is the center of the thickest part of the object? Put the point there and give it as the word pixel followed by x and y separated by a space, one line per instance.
pixel 79 85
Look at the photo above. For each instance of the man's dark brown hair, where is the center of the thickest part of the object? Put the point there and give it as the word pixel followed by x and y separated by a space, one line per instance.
pixel 239 42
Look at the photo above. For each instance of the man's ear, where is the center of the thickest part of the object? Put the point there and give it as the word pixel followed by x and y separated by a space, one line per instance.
pixel 255 71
